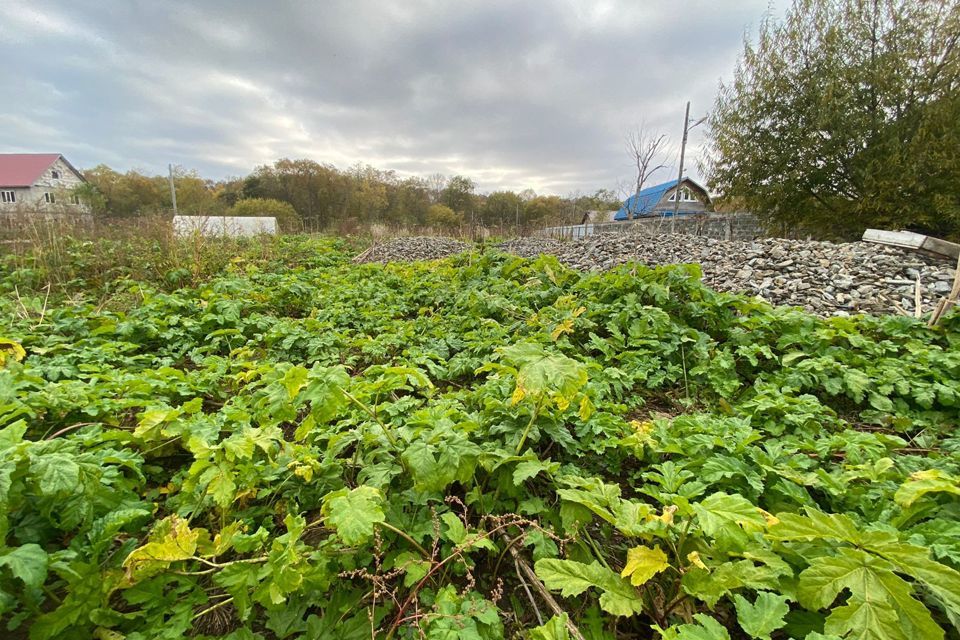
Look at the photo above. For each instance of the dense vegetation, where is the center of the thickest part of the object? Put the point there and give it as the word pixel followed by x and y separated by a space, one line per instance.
pixel 295 446
pixel 844 116
pixel 324 197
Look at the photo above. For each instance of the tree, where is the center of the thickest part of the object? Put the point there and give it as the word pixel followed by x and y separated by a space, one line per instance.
pixel 502 208
pixel 319 192
pixel 458 194
pixel 544 210
pixel 844 116
pixel 439 215
pixel 436 183
pixel 286 215
pixel 647 151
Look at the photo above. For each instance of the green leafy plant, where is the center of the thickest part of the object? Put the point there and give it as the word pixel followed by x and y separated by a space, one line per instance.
pixel 297 446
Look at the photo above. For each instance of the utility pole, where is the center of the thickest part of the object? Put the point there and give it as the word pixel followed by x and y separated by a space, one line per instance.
pixel 173 190
pixel 683 147
pixel 676 191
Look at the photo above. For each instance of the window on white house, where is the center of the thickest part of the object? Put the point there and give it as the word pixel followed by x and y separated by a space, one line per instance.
pixel 685 196
pixel 49 198
pixel 55 174
pixel 75 199
pixel 8 197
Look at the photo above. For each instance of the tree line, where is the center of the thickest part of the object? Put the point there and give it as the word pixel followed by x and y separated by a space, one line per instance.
pixel 303 193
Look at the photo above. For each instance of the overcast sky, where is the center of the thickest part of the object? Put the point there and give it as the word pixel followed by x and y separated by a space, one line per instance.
pixel 513 94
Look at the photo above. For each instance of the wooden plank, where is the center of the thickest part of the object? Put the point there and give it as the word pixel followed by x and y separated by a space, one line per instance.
pixel 907 239
pixel 911 240
pixel 943 247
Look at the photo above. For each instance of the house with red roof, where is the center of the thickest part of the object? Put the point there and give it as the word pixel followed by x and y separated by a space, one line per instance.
pixel 39 181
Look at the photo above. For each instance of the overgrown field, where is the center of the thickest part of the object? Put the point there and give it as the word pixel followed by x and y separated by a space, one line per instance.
pixel 294 446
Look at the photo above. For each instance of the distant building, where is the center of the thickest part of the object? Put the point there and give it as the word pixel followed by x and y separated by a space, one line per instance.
pixel 38 181
pixel 660 200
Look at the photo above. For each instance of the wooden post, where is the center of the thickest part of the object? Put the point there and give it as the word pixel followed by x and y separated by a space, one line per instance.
pixel 683 148
pixel 173 190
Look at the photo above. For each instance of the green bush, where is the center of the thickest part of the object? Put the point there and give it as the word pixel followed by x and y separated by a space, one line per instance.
pixel 287 218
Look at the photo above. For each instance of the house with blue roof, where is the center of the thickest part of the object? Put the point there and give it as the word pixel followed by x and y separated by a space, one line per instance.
pixel 660 200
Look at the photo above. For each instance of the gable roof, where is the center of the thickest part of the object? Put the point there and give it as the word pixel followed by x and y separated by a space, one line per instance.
pixel 644 202
pixel 24 169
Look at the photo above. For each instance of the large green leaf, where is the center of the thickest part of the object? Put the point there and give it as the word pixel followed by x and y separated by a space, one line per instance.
pixel 572 578
pixel 57 474
pixel 354 513
pixel 554 629
pixel 28 562
pixel 816 525
pixel 706 628
pixel 941 580
pixel 764 616
pixel 544 376
pixel 877 593
pixel 719 512
pixel 709 585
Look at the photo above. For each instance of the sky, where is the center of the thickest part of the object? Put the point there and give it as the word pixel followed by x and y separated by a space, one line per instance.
pixel 536 94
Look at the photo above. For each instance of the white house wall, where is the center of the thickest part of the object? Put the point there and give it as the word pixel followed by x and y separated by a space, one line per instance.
pixel 33 197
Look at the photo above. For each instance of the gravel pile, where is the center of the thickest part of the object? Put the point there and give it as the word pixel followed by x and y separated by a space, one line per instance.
pixel 822 277
pixel 412 249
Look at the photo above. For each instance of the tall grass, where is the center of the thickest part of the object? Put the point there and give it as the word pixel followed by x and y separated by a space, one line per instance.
pixel 65 254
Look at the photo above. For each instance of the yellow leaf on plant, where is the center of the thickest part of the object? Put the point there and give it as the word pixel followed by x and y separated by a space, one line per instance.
pixel 694 558
pixel 667 516
pixel 643 428
pixel 769 517
pixel 564 327
pixel 586 408
pixel 643 563
pixel 10 349
pixel 518 394
pixel 178 542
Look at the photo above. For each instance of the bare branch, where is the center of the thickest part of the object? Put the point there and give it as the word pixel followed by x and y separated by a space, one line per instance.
pixel 647 151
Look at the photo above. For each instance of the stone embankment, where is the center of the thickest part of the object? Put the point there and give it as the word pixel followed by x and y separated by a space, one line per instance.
pixel 822 277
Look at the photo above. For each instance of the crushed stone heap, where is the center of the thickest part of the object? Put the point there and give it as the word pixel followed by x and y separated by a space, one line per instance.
pixel 410 249
pixel 823 277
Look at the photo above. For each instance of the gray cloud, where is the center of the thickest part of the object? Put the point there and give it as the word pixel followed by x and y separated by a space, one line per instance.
pixel 536 94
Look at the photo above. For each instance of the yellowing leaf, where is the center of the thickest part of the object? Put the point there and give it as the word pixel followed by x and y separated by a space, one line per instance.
pixel 10 350
pixel 643 563
pixel 924 482
pixel 564 327
pixel 518 393
pixel 178 542
pixel 545 376
pixel 770 518
pixel 694 558
pixel 667 516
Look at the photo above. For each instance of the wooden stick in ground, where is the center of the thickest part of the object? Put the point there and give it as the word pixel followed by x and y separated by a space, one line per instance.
pixel 542 590
pixel 361 257
pixel 948 300
pixel 917 300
